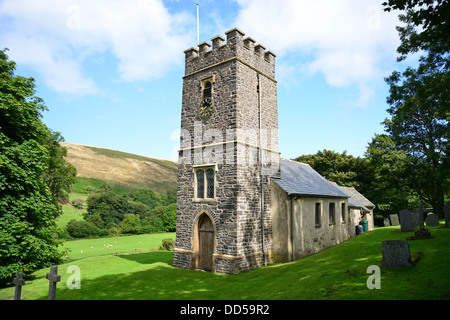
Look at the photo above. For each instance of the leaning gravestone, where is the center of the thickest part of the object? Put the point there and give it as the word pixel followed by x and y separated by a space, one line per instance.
pixel 406 222
pixel 395 254
pixel 432 220
pixel 447 214
pixel 394 220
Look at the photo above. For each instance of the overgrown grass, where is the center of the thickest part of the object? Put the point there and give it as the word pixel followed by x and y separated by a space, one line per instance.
pixel 339 272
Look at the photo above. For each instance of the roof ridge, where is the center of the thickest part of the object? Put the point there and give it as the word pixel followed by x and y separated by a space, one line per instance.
pixel 295 161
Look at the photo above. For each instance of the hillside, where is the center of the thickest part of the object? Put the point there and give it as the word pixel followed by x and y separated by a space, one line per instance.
pixel 122 168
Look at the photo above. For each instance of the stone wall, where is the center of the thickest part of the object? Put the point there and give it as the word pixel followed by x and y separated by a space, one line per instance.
pixel 308 237
pixel 229 139
pixel 355 218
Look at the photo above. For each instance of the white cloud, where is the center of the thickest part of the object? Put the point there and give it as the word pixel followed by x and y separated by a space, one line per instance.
pixel 55 38
pixel 351 42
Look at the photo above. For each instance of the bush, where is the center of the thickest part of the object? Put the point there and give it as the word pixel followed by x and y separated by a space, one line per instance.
pixel 77 203
pixel 89 188
pixel 82 229
pixel 167 244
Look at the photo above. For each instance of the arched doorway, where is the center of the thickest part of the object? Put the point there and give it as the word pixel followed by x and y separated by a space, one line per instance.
pixel 205 243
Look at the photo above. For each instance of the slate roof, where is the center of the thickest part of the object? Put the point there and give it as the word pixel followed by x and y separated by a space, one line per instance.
pixel 358 197
pixel 353 202
pixel 301 179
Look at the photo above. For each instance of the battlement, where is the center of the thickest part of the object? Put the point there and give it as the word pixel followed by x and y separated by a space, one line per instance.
pixel 235 48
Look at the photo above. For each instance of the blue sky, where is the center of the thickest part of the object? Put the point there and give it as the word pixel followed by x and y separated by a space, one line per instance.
pixel 110 71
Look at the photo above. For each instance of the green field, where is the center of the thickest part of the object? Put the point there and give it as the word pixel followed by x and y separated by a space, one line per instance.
pixel 137 272
pixel 85 248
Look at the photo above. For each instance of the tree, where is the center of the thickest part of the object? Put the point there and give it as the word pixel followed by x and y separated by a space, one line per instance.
pixel 420 97
pixel 433 20
pixel 164 218
pixel 60 174
pixel 420 126
pixel 148 197
pixel 30 163
pixel 390 176
pixel 344 169
pixel 169 217
pixel 131 224
pixel 110 207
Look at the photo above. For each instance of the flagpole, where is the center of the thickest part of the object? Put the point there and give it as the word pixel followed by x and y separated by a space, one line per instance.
pixel 198 27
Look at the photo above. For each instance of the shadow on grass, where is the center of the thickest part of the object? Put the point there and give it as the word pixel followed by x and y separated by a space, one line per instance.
pixel 157 280
pixel 335 273
pixel 150 257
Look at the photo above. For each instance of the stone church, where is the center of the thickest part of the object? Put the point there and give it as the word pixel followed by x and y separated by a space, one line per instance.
pixel 239 205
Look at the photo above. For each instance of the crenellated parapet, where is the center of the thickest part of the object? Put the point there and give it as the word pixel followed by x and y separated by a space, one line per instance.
pixel 236 47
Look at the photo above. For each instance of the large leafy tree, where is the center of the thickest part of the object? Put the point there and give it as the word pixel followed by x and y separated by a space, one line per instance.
pixel 33 176
pixel 427 25
pixel 420 97
pixel 419 125
pixel 389 185
pixel 342 168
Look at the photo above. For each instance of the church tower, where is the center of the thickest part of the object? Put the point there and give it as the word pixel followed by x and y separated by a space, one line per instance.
pixel 228 152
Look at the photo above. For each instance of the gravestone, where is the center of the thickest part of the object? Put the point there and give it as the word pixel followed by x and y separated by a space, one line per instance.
pixel 386 222
pixel 19 282
pixel 415 218
pixel 432 220
pixel 53 279
pixel 406 222
pixel 447 214
pixel 395 254
pixel 420 216
pixel 394 220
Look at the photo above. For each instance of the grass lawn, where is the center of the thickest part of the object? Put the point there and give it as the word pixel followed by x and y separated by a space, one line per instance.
pixel 339 272
pixel 69 213
pixel 85 248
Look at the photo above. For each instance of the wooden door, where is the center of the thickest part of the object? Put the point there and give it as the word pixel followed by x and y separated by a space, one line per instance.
pixel 205 243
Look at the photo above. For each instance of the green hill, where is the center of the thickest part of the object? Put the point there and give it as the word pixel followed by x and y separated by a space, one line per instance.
pixel 122 169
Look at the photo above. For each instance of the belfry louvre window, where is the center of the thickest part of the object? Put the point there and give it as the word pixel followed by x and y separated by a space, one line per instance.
pixel 207 91
pixel 205 183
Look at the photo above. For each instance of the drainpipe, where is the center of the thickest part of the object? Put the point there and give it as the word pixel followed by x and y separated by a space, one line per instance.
pixel 262 175
pixel 293 226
